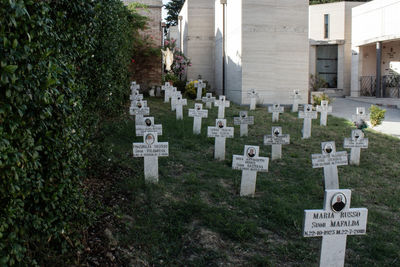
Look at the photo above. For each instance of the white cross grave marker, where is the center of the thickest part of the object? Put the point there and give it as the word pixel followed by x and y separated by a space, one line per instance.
pixel 197 113
pixel 136 96
pixel 166 88
pixel 200 85
pixel 250 163
pixel 180 102
pixel 139 109
pixel 244 121
pixel 222 103
pixel 150 149
pixel 276 140
pixel 360 115
pixel 296 97
pixel 253 95
pixel 308 114
pixel 356 142
pixel 334 222
pixel 220 132
pixel 174 96
pixel 275 109
pixel 134 86
pixel 324 109
pixel 148 125
pixel 208 99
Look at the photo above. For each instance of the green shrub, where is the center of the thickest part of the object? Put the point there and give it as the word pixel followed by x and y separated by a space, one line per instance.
pixel 317 82
pixel 318 98
pixel 170 77
pixel 376 115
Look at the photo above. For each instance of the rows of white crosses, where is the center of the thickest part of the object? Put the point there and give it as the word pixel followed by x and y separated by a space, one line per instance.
pixel 334 222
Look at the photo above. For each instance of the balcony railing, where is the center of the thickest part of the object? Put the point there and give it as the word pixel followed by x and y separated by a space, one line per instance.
pixel 390 86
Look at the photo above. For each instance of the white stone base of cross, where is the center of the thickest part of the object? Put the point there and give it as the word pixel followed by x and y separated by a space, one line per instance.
pixel 198 113
pixel 208 99
pixel 250 163
pixel 222 103
pixel 334 222
pixel 243 120
pixel 199 85
pixel 150 150
pixel 355 143
pixel 220 132
pixel 275 109
pixel 276 140
pixel 324 109
pixel 308 114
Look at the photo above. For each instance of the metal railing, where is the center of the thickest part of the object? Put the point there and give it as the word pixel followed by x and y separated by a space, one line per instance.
pixel 368 86
pixel 391 86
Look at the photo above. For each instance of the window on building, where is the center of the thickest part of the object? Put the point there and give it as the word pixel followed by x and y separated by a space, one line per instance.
pixel 326 26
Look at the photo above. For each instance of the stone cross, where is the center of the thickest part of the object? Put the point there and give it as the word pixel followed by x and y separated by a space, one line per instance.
pixel 334 222
pixel 275 109
pixel 253 95
pixel 174 96
pixel 135 86
pixel 166 88
pixel 250 163
pixel 136 96
pixel 148 125
pixel 208 99
pixel 356 142
pixel 139 109
pixel 152 91
pixel 244 121
pixel 296 97
pixel 180 102
pixel 324 109
pixel 150 149
pixel 360 115
pixel 220 132
pixel 329 160
pixel 200 85
pixel 276 140
pixel 222 103
pixel 308 114
pixel 198 113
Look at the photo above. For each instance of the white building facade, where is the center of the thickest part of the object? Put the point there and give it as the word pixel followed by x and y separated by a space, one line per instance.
pixel 376 49
pixel 330 44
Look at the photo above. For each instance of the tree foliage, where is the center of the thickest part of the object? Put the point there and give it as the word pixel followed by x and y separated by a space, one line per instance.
pixel 173 7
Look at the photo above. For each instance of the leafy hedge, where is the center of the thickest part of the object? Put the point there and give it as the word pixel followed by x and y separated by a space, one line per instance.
pixel 64 64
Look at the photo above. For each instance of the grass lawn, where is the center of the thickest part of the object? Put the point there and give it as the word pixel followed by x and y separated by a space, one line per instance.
pixel 195 216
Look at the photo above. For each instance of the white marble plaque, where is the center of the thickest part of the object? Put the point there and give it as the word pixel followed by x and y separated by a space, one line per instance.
pixel 355 143
pixel 276 140
pixel 197 113
pixel 324 109
pixel 243 120
pixel 148 125
pixel 308 114
pixel 199 85
pixel 208 99
pixel 275 109
pixel 250 163
pixel 222 103
pixel 220 132
pixel 253 95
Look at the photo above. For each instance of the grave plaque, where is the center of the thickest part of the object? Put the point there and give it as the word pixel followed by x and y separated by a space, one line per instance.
pixel 208 99
pixel 200 85
pixel 296 98
pixel 150 150
pixel 253 95
pixel 220 132
pixel 334 222
pixel 250 163
pixel 324 109
pixel 275 109
pixel 198 113
pixel 308 114
pixel 139 109
pixel 243 120
pixel 148 125
pixel 180 102
pixel 222 103
pixel 355 143
pixel 276 140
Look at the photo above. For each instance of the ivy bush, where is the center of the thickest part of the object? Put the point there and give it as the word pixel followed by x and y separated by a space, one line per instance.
pixel 64 64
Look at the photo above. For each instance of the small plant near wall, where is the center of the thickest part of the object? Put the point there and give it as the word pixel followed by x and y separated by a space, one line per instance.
pixel 316 82
pixel 318 98
pixel 191 90
pixel 377 115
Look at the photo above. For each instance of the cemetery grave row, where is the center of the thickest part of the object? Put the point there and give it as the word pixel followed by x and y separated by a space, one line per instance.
pixel 334 222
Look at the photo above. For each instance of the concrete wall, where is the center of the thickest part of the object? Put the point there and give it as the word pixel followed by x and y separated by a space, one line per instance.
pixel 275 57
pixel 336 13
pixel 173 33
pixel 183 26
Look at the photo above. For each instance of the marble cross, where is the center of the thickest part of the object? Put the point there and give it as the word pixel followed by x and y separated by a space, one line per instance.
pixel 174 96
pixel 208 99
pixel 296 97
pixel 324 109
pixel 361 115
pixel 139 109
pixel 166 88
pixel 150 150
pixel 329 160
pixel 148 125
pixel 276 140
pixel 253 95
pixel 222 103
pixel 135 86
pixel 308 114
pixel 275 109
pixel 220 132
pixel 180 102
pixel 136 96
pixel 355 143
pixel 200 85
pixel 250 163
pixel 244 121
pixel 334 222
pixel 198 113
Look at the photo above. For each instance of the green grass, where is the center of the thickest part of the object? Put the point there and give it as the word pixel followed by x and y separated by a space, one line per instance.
pixel 195 216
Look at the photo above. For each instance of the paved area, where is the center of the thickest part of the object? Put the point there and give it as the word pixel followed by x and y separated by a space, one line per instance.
pixel 345 108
